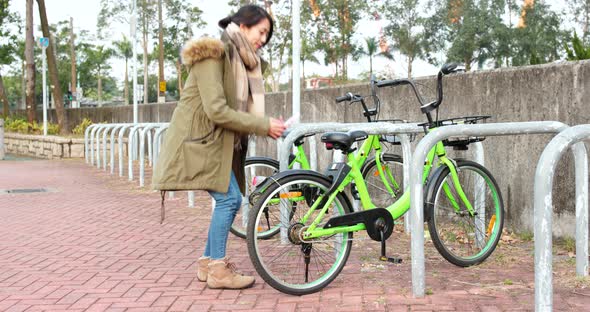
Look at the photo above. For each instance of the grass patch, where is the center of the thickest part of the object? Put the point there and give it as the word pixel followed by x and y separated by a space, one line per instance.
pixel 526 236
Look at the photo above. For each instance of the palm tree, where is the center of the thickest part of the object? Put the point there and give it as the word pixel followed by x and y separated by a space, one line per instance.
pixel 371 48
pixel 97 61
pixel 123 49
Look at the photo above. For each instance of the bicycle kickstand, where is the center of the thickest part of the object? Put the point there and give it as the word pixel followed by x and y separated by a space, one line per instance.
pixel 383 256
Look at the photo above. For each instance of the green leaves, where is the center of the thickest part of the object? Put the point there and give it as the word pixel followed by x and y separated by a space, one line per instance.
pixel 9 28
pixel 579 51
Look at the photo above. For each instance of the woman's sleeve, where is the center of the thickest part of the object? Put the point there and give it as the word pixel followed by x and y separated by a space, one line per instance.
pixel 209 76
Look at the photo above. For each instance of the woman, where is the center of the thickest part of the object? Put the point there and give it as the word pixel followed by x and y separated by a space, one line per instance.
pixel 205 146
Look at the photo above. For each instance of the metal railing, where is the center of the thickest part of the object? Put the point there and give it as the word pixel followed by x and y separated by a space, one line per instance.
pixel 416 187
pixel 543 210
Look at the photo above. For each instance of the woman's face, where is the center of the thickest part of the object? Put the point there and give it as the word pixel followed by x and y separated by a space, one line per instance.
pixel 256 34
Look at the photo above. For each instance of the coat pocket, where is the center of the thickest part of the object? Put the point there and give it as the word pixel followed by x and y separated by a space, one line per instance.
pixel 202 157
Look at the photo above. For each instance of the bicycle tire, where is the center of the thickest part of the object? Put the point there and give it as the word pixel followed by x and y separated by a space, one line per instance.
pixel 272 166
pixel 277 261
pixel 379 194
pixel 451 231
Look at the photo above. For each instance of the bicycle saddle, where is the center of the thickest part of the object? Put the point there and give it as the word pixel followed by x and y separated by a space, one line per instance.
pixel 343 140
pixel 299 140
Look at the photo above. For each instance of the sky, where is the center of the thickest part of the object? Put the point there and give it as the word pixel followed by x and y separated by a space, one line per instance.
pixel 85 14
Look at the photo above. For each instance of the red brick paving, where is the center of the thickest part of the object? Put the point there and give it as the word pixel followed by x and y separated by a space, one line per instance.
pixel 94 243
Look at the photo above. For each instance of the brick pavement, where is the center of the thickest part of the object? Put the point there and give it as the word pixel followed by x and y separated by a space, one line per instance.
pixel 94 243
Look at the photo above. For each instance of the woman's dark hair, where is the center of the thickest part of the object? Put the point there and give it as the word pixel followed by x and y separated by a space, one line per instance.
pixel 249 15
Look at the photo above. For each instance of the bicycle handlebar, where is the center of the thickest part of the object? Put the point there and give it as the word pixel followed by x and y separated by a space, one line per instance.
pixel 425 107
pixel 343 98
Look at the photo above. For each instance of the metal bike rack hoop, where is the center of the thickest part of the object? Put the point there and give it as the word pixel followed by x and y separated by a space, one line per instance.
pixel 416 187
pixel 543 204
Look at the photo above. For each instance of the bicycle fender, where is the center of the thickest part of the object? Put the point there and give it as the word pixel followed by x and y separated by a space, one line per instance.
pixel 287 173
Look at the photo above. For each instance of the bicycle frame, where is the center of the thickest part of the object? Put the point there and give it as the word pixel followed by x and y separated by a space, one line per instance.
pixel 300 158
pixel 398 208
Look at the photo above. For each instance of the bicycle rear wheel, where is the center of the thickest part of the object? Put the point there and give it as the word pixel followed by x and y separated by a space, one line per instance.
pixel 256 170
pixel 461 238
pixel 288 262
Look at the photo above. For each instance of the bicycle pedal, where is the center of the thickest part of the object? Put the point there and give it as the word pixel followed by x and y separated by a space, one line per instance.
pixel 392 260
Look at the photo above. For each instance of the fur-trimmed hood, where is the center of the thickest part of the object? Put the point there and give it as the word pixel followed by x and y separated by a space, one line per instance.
pixel 200 49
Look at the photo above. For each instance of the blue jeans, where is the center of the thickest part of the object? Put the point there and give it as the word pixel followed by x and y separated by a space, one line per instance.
pixel 226 208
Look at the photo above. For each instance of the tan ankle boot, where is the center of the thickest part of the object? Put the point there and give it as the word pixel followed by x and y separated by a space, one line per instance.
pixel 222 274
pixel 202 269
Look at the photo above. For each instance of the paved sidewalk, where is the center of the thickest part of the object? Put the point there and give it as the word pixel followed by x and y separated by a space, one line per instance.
pixel 94 243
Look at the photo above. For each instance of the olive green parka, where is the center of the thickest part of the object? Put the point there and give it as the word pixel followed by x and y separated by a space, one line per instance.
pixel 198 147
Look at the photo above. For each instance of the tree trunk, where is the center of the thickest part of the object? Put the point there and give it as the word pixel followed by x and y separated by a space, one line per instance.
pixel 161 94
pixel 3 97
pixel 30 64
pixel 23 88
pixel 52 66
pixel 467 64
pixel 303 73
pixel 126 84
pixel 344 70
pixel 370 67
pixel 410 61
pixel 73 60
pixel 99 90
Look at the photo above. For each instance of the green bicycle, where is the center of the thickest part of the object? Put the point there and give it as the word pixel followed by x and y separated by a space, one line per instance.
pixel 464 210
pixel 382 172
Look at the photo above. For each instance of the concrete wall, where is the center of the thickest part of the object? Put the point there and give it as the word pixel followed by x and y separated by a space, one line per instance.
pixel 558 92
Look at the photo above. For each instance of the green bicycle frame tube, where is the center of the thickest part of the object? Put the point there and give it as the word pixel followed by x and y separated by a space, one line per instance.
pixel 300 158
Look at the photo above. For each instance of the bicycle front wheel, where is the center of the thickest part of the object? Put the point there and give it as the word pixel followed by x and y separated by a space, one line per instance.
pixel 384 189
pixel 256 170
pixel 287 261
pixel 462 238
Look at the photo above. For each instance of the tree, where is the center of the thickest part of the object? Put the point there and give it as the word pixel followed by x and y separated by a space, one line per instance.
pixel 96 60
pixel 178 30
pixel 471 31
pixel 580 9
pixel 120 11
pixel 371 50
pixel 578 51
pixel 405 28
pixel 308 48
pixel 541 38
pixel 8 48
pixel 123 49
pixel 338 21
pixel 53 75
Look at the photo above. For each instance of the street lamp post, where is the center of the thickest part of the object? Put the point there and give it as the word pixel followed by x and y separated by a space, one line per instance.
pixel 44 43
pixel 134 60
pixel 296 28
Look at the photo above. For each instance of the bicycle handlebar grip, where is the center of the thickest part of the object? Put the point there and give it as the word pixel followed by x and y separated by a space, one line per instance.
pixel 449 68
pixel 343 98
pixel 391 83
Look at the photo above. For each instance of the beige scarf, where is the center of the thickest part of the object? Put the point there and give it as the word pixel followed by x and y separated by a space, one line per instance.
pixel 247 72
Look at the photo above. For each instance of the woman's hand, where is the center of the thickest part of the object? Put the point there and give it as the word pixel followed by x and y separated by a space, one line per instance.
pixel 277 126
